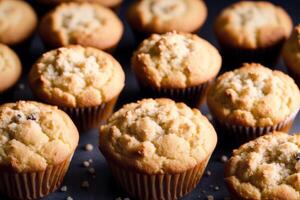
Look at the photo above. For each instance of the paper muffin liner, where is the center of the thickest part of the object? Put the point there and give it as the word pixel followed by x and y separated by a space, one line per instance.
pixel 160 186
pixel 192 96
pixel 243 134
pixel 33 185
pixel 90 117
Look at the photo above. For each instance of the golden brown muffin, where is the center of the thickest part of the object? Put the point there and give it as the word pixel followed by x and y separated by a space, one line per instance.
pixel 291 54
pixel 266 168
pixel 254 96
pixel 162 140
pixel 75 78
pixel 37 141
pixel 17 21
pixel 161 16
pixel 10 68
pixel 251 27
pixel 86 24
pixel 106 3
pixel 176 62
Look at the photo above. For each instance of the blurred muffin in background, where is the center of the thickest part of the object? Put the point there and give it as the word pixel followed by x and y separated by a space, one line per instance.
pixel 250 31
pixel 87 24
pixel 291 54
pixel 179 66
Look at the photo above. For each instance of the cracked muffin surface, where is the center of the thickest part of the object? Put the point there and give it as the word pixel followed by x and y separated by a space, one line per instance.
pixel 34 136
pixel 106 3
pixel 251 25
pixel 176 60
pixel 253 95
pixel 157 136
pixel 86 24
pixel 161 16
pixel 266 168
pixel 76 76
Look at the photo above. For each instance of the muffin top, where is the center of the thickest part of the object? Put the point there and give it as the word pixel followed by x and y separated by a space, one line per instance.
pixel 161 16
pixel 266 168
pixel 86 24
pixel 291 50
pixel 106 3
pixel 75 76
pixel 34 136
pixel 176 60
pixel 157 136
pixel 17 21
pixel 252 25
pixel 10 68
pixel 253 96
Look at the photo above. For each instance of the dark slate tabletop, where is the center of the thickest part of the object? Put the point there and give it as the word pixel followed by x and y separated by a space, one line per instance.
pixel 102 186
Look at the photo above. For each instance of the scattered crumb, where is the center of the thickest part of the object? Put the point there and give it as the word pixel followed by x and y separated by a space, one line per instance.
pixel 224 159
pixel 92 170
pixel 69 198
pixel 216 188
pixel 85 184
pixel 21 86
pixel 203 191
pixel 90 160
pixel 210 197
pixel 211 186
pixel 89 147
pixel 64 188
pixel 126 198
pixel 208 173
pixel 209 117
pixel 86 163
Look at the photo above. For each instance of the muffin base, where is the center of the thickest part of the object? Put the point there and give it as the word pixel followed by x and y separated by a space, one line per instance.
pixel 242 134
pixel 34 185
pixel 91 117
pixel 159 186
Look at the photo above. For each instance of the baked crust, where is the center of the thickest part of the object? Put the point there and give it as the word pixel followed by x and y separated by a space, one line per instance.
pixel 76 76
pixel 265 168
pixel 17 21
pixel 176 60
pixel 86 24
pixel 252 25
pixel 10 68
pixel 253 96
pixel 157 136
pixel 291 51
pixel 106 3
pixel 161 16
pixel 34 136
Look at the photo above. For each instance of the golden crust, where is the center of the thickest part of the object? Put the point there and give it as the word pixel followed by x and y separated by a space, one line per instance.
pixel 17 21
pixel 253 96
pixel 106 3
pixel 266 168
pixel 176 60
pixel 157 136
pixel 86 24
pixel 34 136
pixel 291 51
pixel 161 16
pixel 252 25
pixel 75 76
pixel 10 68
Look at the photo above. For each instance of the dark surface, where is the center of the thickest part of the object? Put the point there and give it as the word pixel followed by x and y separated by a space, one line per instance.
pixel 103 186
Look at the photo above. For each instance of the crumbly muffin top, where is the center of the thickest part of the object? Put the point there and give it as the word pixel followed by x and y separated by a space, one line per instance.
pixel 250 25
pixel 266 168
pixel 34 136
pixel 176 60
pixel 253 96
pixel 82 23
pixel 157 136
pixel 17 21
pixel 10 67
pixel 291 50
pixel 107 3
pixel 75 76
pixel 161 16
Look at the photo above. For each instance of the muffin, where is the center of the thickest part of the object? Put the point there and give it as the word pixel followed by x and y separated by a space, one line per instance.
pixel 291 54
pixel 250 31
pixel 162 16
pixel 37 145
pixel 157 149
pixel 176 65
pixel 266 168
pixel 253 100
pixel 17 21
pixel 85 24
pixel 84 82
pixel 10 70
